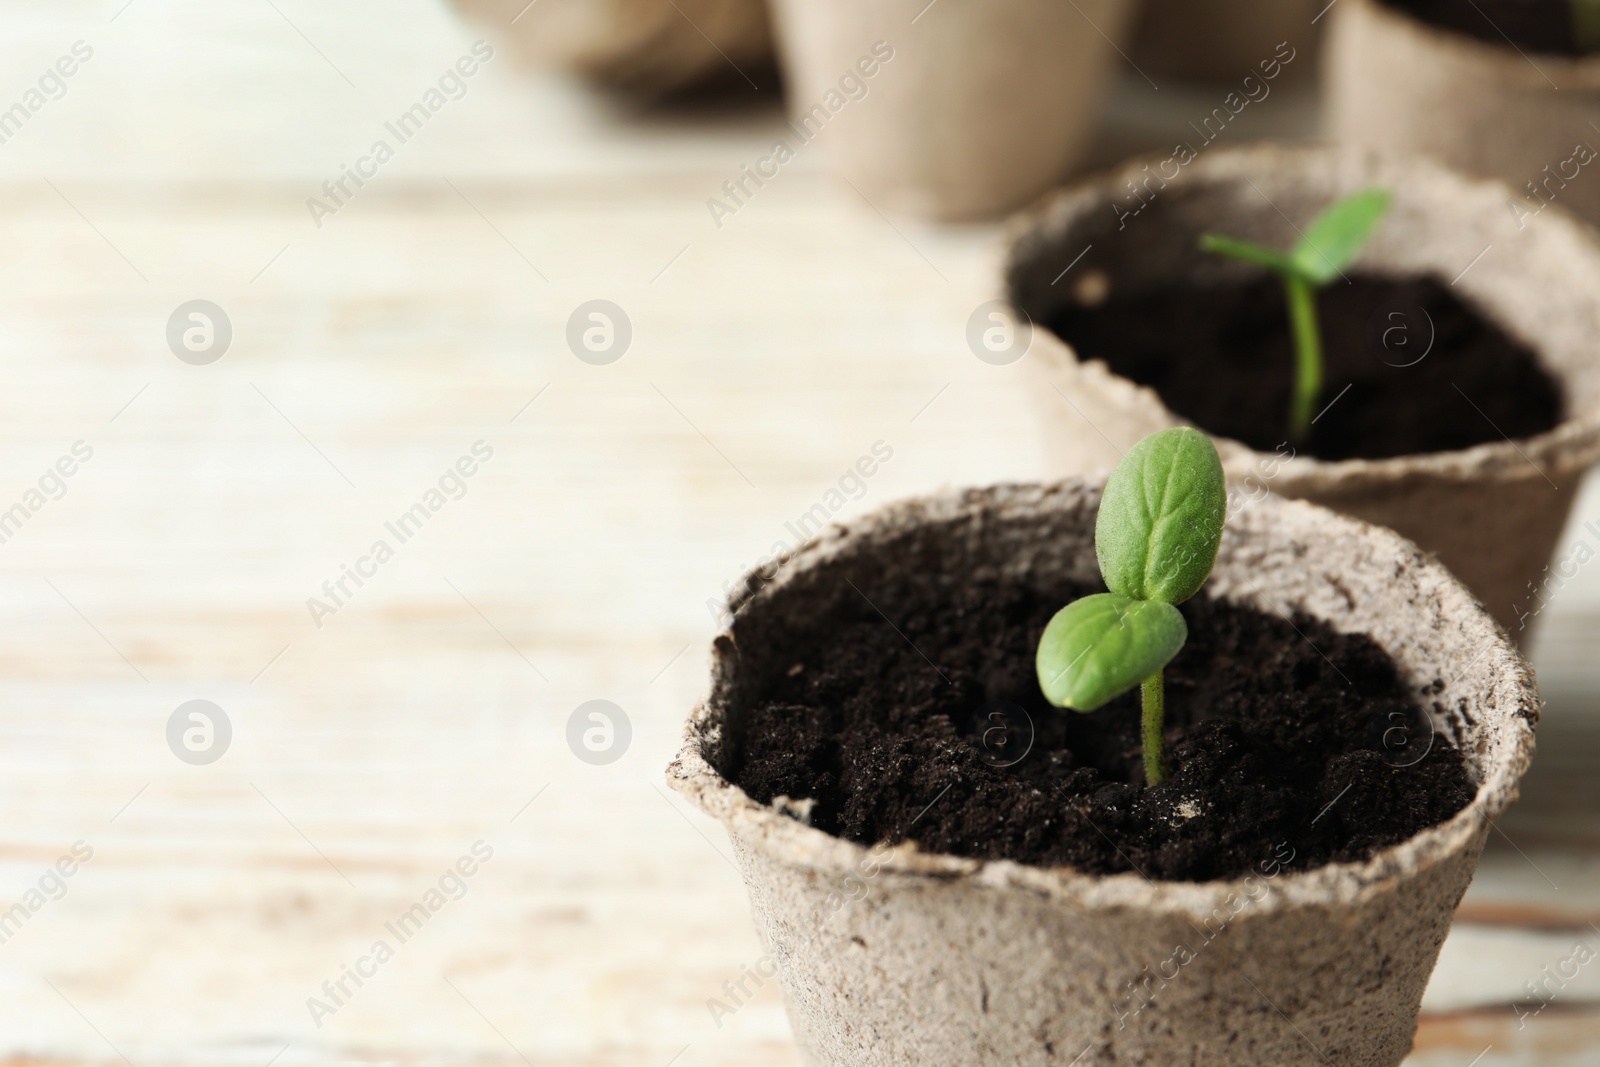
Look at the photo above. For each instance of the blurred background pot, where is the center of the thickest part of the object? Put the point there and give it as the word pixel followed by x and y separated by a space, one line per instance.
pixel 1218 40
pixel 893 956
pixel 982 105
pixel 1492 513
pixel 647 47
pixel 1397 84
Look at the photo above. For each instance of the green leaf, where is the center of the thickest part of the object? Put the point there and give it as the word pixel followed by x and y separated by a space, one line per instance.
pixel 1250 253
pixel 1161 517
pixel 1100 647
pixel 1335 238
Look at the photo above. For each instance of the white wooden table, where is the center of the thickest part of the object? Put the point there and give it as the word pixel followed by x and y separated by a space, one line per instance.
pixel 430 711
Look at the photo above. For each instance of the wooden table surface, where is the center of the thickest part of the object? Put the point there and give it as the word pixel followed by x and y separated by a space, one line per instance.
pixel 377 743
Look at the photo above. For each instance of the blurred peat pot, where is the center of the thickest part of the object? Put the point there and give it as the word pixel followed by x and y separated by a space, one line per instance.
pixel 1492 511
pixel 1469 97
pixel 643 47
pixel 978 107
pixel 1218 40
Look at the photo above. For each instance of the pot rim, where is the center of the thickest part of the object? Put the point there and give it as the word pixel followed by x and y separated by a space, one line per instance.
pixel 788 841
pixel 1571 446
pixel 1523 69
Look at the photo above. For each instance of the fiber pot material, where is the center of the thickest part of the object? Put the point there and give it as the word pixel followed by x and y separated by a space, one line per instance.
pixel 646 47
pixel 1397 84
pixel 982 105
pixel 892 956
pixel 1492 513
pixel 1218 40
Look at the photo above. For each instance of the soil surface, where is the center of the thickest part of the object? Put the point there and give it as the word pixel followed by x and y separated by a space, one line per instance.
pixel 1286 749
pixel 1532 25
pixel 1222 357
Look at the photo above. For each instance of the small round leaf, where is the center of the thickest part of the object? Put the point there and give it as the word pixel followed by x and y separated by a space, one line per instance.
pixel 1333 240
pixel 1100 647
pixel 1161 517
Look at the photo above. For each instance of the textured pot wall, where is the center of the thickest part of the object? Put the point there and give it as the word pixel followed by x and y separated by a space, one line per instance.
pixel 889 956
pixel 983 106
pixel 640 46
pixel 1493 513
pixel 1218 39
pixel 959 974
pixel 1397 84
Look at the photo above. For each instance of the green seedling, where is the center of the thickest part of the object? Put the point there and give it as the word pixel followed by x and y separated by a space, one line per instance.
pixel 1156 538
pixel 1330 244
pixel 1586 25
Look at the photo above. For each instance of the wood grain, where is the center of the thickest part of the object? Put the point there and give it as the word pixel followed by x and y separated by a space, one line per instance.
pixel 371 752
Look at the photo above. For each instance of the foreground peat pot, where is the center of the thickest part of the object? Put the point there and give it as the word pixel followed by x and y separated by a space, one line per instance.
pixel 1495 88
pixel 890 954
pixel 1465 334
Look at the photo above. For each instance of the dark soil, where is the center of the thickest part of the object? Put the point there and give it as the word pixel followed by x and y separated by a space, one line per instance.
pixel 1532 25
pixel 1285 748
pixel 1222 357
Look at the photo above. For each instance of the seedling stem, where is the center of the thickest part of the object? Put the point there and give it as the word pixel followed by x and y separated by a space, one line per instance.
pixel 1152 693
pixel 1307 354
pixel 1156 538
pixel 1329 244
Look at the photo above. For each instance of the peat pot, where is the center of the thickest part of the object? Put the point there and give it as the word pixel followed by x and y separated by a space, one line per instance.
pixel 642 47
pixel 1395 83
pixel 1492 512
pixel 1218 40
pixel 952 110
pixel 890 956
